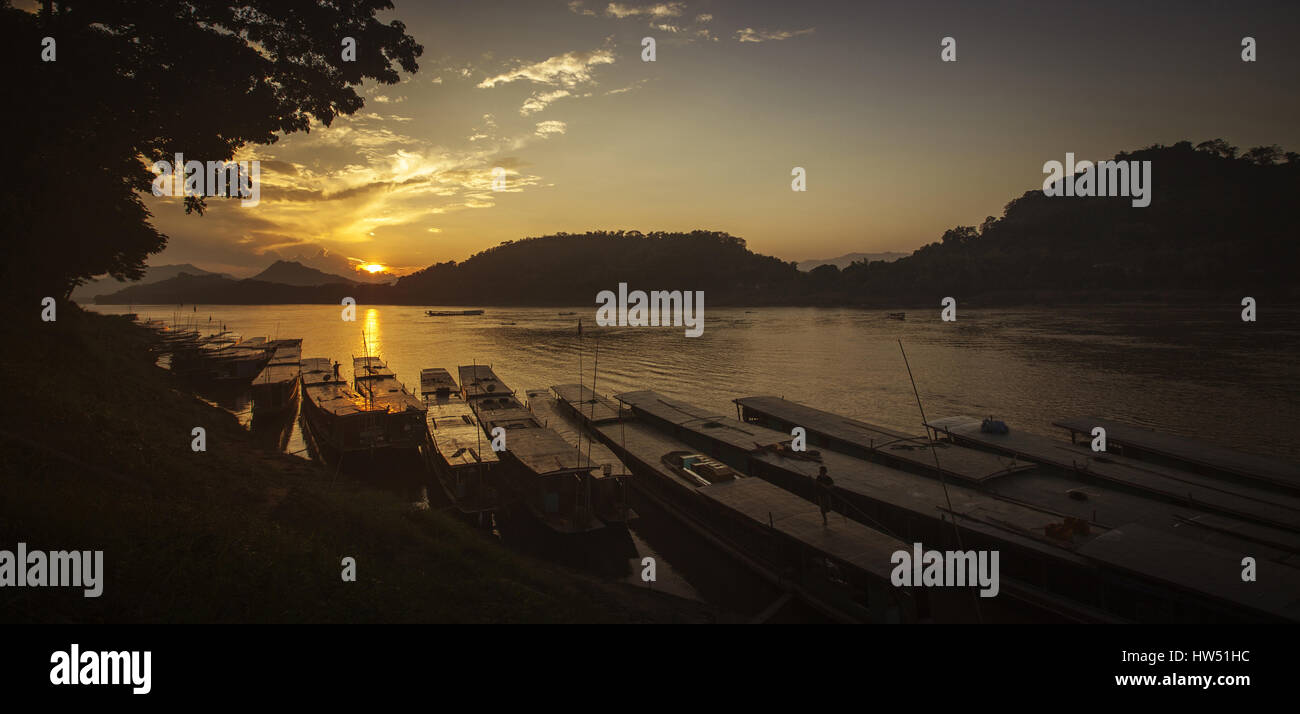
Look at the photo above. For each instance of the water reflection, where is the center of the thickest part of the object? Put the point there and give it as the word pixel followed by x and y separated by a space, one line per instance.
pixel 370 337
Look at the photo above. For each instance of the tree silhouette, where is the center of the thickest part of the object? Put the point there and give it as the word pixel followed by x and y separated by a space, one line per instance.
pixel 135 82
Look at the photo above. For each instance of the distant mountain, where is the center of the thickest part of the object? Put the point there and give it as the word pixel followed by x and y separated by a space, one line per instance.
pixel 153 274
pixel 291 272
pixel 222 290
pixel 335 264
pixel 843 261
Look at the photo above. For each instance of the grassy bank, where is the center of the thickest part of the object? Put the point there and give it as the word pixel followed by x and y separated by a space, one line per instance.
pixel 95 455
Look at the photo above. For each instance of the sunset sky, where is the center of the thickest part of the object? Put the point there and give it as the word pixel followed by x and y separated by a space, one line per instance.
pixel 898 146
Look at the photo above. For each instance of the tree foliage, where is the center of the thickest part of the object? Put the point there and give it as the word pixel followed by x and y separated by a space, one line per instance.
pixel 135 82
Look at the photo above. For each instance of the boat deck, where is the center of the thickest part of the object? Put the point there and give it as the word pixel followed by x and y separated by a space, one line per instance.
pixel 1150 553
pixel 285 364
pixel 547 411
pixel 596 409
pixel 328 392
pixel 277 374
pixel 377 384
pixel 286 351
pixel 436 381
pixel 845 540
pixel 544 452
pixel 1193 452
pixel 456 433
pixel 858 437
pixel 478 380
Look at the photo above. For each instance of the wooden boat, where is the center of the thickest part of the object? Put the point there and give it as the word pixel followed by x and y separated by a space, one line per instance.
pixel 223 358
pixel 451 313
pixel 544 471
pixel 610 497
pixel 1100 553
pixel 275 388
pixel 401 425
pixel 456 449
pixel 341 421
pixel 841 568
pixel 1199 455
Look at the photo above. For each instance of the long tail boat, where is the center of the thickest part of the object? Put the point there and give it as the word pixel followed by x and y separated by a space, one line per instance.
pixel 341 421
pixel 543 470
pixel 223 358
pixel 398 421
pixel 276 387
pixel 610 497
pixel 456 450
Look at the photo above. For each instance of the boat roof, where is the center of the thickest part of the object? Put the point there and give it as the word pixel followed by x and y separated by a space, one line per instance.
pixel 384 390
pixel 800 519
pixel 546 408
pixel 912 450
pixel 1214 571
pixel 276 373
pixel 456 434
pixel 595 408
pixel 1193 451
pixel 313 365
pixel 370 367
pixel 478 380
pixel 435 379
pixel 286 352
pixel 1247 503
pixel 330 393
pixel 545 452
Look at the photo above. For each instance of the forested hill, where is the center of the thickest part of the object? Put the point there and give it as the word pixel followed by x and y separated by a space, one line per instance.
pixel 1217 222
pixel 569 269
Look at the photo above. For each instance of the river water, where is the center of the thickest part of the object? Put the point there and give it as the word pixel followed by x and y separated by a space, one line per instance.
pixel 1193 371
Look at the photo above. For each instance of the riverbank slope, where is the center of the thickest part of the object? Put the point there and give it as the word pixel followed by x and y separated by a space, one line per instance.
pixel 95 455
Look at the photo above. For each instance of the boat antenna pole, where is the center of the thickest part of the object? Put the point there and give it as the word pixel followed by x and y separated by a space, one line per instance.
pixel 592 414
pixel 942 481
pixel 580 383
pixel 478 433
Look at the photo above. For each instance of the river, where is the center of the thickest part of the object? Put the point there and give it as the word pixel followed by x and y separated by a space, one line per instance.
pixel 1193 371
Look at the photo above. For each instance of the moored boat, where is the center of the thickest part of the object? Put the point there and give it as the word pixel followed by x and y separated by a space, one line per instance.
pixel 451 313
pixel 610 490
pixel 456 450
pixel 340 420
pixel 544 471
pixel 275 388
pixel 399 416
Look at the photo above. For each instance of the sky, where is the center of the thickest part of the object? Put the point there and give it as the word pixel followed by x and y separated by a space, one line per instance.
pixel 897 145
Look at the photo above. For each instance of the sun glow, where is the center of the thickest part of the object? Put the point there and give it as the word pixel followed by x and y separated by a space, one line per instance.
pixel 371 268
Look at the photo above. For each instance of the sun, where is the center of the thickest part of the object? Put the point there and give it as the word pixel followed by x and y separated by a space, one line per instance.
pixel 372 268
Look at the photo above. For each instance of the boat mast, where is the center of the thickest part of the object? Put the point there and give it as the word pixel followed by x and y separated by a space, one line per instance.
pixel 942 481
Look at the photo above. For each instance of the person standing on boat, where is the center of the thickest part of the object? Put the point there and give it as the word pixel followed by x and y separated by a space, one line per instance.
pixel 824 483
